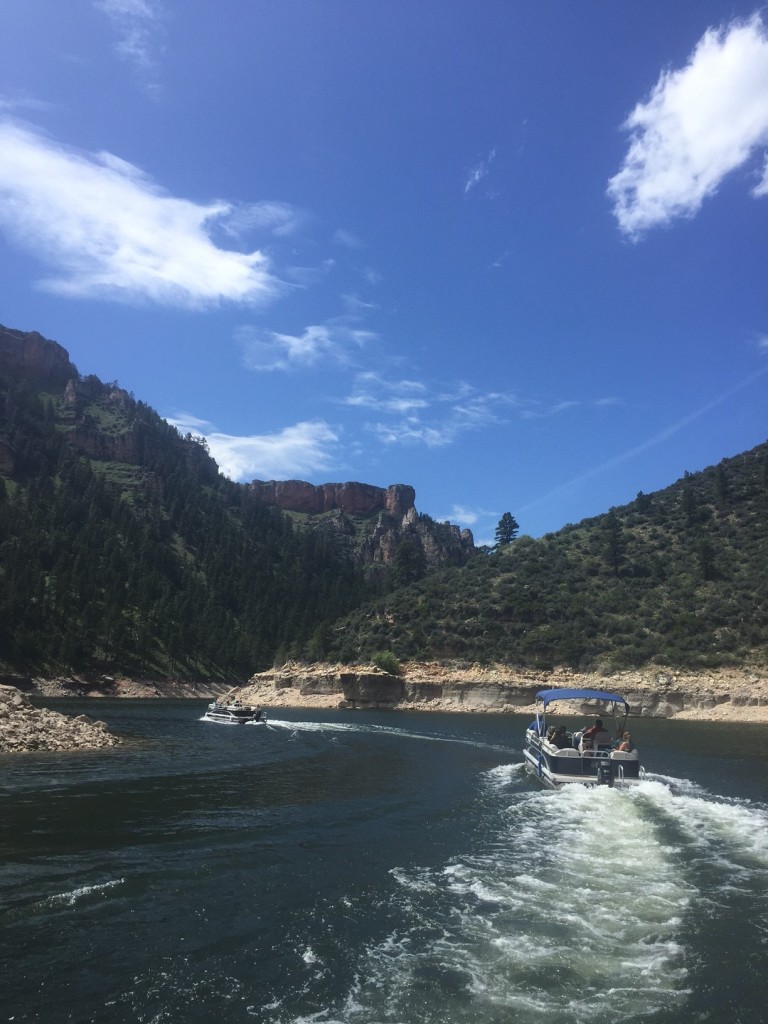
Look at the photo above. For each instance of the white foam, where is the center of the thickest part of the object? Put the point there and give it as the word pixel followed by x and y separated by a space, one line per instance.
pixel 730 833
pixel 572 911
pixel 380 730
pixel 70 898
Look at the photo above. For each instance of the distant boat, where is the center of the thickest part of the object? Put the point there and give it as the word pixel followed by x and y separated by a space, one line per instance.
pixel 234 713
pixel 571 758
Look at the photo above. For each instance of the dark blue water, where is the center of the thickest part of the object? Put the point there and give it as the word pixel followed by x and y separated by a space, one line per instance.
pixel 380 867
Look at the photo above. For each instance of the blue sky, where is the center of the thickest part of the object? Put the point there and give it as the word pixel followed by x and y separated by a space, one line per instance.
pixel 511 253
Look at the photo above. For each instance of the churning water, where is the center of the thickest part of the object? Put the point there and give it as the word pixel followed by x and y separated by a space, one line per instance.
pixel 372 867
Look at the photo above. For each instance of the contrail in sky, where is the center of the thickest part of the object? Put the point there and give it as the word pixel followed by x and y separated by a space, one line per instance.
pixel 618 460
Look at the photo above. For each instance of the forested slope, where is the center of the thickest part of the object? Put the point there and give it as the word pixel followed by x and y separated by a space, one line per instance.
pixel 157 565
pixel 675 577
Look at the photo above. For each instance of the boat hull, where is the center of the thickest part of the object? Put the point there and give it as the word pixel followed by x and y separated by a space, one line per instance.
pixel 563 768
pixel 234 714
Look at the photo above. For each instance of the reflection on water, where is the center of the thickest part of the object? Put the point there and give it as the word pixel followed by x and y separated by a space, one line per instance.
pixel 377 867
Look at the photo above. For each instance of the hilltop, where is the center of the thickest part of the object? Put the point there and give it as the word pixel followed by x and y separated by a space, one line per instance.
pixel 677 577
pixel 125 553
pixel 123 550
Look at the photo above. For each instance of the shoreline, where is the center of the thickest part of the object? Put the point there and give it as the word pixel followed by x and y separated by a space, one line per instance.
pixel 715 695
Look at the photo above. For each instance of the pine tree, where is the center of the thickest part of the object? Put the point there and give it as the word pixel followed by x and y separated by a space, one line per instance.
pixel 507 530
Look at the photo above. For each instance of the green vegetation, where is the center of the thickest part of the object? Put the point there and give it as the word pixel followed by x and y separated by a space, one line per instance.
pixel 160 566
pixel 677 577
pixel 387 662
pixel 122 549
pixel 506 530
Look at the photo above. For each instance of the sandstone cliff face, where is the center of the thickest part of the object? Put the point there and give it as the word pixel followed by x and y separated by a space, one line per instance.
pixel 723 695
pixel 397 519
pixel 24 727
pixel 353 498
pixel 31 355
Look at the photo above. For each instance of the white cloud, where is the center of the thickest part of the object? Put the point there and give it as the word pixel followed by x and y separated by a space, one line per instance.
pixel 302 450
pixel 700 123
pixel 264 349
pixel 412 414
pixel 346 239
pixel 478 172
pixel 110 232
pixel 464 516
pixel 270 215
pixel 137 23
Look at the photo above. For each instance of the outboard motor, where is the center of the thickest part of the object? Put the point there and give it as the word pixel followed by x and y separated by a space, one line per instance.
pixel 604 773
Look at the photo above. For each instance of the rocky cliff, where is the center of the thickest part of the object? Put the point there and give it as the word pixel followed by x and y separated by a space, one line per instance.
pixel 353 498
pixel 390 511
pixel 725 694
pixel 29 354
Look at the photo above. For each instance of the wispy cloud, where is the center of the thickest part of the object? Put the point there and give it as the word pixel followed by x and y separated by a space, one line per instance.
pixel 302 450
pixel 333 341
pixel 478 172
pixel 700 123
pixel 111 232
pixel 137 24
pixel 411 412
pixel 347 239
pixel 271 216
pixel 464 516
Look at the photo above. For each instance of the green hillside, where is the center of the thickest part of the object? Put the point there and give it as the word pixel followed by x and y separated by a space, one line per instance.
pixel 675 577
pixel 150 563
pixel 124 550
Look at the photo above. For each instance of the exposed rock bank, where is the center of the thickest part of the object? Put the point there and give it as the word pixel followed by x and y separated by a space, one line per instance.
pixel 718 695
pixel 24 727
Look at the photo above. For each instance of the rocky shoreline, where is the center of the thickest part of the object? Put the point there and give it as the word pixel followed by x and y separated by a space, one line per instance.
pixel 715 695
pixel 24 727
pixel 710 695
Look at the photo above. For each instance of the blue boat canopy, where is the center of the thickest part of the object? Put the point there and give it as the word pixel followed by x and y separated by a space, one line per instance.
pixel 547 696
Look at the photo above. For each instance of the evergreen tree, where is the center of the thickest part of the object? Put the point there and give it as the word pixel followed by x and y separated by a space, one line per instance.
pixel 507 530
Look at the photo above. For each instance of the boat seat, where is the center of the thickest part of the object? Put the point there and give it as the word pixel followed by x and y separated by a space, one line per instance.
pixel 600 741
pixel 566 752
pixel 623 755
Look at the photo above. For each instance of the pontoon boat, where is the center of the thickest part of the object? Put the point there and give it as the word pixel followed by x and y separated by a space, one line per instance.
pixel 595 761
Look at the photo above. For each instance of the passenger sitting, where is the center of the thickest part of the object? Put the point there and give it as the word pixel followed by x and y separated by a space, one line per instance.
pixel 596 736
pixel 560 738
pixel 626 743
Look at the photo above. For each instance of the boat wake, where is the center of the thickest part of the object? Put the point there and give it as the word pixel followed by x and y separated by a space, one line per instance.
pixel 581 905
pixel 333 728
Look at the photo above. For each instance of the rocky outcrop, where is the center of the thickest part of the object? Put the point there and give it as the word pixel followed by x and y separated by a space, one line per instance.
pixel 330 687
pixel 28 354
pixel 441 543
pixel 26 728
pixel 727 694
pixel 353 498
pixel 396 519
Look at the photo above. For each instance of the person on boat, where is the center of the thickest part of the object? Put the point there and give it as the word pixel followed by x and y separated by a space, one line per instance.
pixel 626 743
pixel 589 733
pixel 560 738
pixel 594 735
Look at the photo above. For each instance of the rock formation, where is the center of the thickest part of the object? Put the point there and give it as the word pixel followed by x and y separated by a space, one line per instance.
pixel 26 728
pixel 396 518
pixel 722 695
pixel 29 354
pixel 353 498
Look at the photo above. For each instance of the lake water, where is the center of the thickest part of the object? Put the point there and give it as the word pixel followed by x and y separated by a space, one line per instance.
pixel 379 867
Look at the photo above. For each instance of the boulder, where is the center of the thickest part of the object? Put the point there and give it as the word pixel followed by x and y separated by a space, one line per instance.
pixel 24 727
